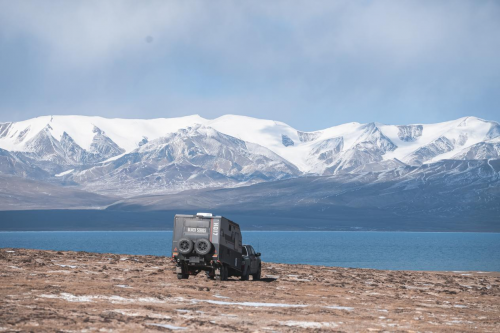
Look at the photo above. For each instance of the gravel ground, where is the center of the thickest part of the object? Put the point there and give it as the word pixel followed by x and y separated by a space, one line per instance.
pixel 82 292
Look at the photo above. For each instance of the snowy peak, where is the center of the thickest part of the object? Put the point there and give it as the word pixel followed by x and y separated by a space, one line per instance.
pixel 205 147
pixel 373 139
pixel 103 146
pixel 81 140
pixel 45 146
pixel 427 143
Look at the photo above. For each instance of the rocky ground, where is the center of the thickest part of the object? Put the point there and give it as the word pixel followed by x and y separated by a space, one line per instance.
pixel 79 291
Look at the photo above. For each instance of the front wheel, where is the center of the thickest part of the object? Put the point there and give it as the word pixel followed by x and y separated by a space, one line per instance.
pixel 245 276
pixel 256 276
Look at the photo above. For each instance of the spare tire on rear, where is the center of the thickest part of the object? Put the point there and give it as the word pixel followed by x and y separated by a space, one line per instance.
pixel 185 246
pixel 203 246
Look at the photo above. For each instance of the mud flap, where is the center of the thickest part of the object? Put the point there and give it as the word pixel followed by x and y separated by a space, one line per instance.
pixel 178 269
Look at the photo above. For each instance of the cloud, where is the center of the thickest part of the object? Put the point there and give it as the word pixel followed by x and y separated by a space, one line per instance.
pixel 406 32
pixel 372 58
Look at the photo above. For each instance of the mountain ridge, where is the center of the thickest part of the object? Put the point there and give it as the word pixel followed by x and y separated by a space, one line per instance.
pixel 413 144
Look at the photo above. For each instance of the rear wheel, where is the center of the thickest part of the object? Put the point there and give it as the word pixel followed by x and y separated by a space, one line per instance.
pixel 184 274
pixel 256 276
pixel 226 273
pixel 223 273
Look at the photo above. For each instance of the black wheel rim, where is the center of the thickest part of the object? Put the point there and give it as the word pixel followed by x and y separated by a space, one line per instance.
pixel 184 245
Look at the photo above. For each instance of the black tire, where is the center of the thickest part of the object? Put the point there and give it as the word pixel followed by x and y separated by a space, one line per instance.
pixel 203 246
pixel 185 246
pixel 223 273
pixel 226 273
pixel 256 276
pixel 245 275
pixel 184 274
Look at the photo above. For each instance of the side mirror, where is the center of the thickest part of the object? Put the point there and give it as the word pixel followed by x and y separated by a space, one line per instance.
pixel 258 254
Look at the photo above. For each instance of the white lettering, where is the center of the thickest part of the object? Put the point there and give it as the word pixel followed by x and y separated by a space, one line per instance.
pixel 198 230
pixel 215 228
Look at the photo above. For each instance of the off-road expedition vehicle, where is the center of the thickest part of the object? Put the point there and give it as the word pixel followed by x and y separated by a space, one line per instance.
pixel 213 244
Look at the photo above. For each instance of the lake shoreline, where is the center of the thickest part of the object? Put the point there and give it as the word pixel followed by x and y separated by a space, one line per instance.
pixel 416 251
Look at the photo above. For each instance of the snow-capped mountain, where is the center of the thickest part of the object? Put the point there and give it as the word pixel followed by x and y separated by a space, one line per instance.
pixel 135 156
pixel 195 157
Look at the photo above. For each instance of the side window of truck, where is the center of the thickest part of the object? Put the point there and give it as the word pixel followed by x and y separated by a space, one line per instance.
pixel 244 251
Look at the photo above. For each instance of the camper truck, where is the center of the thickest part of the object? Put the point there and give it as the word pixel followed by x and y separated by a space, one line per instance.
pixel 213 244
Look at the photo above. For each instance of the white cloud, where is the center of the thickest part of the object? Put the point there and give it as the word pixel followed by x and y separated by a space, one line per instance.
pixel 338 55
pixel 262 33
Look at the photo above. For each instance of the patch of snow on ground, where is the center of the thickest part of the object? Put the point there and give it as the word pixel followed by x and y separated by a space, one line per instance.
pixel 219 296
pixel 308 324
pixel 253 304
pixel 70 266
pixel 70 297
pixel 122 286
pixel 113 299
pixel 131 313
pixel 347 308
pixel 170 327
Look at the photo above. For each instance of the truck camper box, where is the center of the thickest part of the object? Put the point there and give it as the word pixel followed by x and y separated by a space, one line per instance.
pixel 206 242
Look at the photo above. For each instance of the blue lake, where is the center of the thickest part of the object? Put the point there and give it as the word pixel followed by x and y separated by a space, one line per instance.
pixel 380 250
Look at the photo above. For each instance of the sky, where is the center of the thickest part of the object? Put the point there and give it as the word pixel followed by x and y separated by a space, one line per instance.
pixel 310 64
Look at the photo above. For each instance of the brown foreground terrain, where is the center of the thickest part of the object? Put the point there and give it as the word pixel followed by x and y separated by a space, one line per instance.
pixel 84 292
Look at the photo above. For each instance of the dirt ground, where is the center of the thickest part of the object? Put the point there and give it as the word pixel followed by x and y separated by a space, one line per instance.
pixel 83 292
